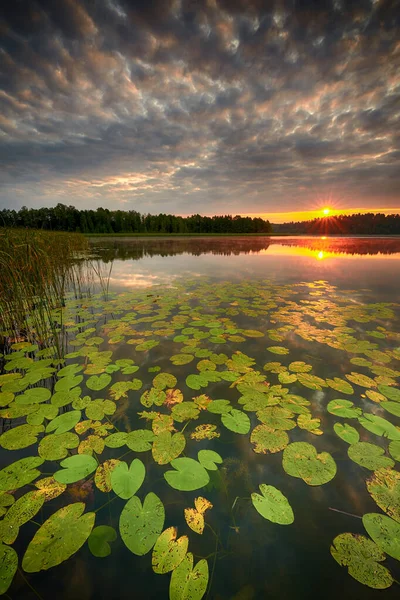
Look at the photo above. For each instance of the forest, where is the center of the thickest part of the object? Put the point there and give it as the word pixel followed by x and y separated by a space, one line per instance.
pixel 358 224
pixel 102 220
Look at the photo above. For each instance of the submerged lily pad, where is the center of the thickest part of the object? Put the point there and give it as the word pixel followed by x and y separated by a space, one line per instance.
pixel 301 460
pixel 362 557
pixel 58 538
pixel 168 551
pixel 385 532
pixel 369 456
pixel 272 505
pixel 188 583
pixel 140 525
pixel 98 540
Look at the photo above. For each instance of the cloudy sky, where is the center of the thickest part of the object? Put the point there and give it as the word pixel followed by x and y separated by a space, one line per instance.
pixel 214 106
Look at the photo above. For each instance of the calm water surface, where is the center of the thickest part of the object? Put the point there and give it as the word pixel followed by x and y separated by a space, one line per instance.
pixel 308 286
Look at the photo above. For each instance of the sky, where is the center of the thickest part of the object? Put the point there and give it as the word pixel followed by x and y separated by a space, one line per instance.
pixel 256 107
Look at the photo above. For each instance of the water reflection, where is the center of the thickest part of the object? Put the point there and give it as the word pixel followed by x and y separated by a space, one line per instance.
pixel 109 249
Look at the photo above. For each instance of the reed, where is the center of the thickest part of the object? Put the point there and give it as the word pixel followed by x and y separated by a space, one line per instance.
pixel 37 269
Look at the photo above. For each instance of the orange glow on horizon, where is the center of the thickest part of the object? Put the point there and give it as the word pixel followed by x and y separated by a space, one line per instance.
pixel 308 215
pixel 326 211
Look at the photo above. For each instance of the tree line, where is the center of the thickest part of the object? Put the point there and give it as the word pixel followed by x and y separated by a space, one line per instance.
pixel 358 224
pixel 103 220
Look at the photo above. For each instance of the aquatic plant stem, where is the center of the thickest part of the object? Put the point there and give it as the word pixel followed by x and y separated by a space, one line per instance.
pixel 29 584
pixel 105 504
pixel 344 512
pixel 213 566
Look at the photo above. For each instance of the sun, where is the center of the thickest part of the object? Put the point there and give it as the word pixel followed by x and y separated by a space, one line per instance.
pixel 326 211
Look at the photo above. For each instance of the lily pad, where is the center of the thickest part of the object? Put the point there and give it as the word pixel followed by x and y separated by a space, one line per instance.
pixel 343 408
pixel 20 437
pixel 219 407
pixel 267 440
pixel 185 411
pixel 209 459
pixel 61 536
pixel 340 385
pixel 164 380
pixel 188 582
pixel 98 382
pixel 394 449
pixel 8 567
pixel 22 511
pixel 347 433
pixel 379 426
pixel 56 446
pixel 384 487
pixel 20 473
pixel 390 392
pixel 167 447
pixel 139 440
pixel 276 417
pixel 34 396
pixel 140 526
pixel 168 552
pixel 189 475
pixel 75 468
pixel 273 505
pixel 236 421
pixel 369 456
pixel 278 350
pixel 98 540
pixel 385 532
pixel 50 488
pixel 362 557
pixel 301 460
pixel 64 422
pixel 125 481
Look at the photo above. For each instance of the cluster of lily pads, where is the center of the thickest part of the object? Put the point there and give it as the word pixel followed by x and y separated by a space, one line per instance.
pixel 185 380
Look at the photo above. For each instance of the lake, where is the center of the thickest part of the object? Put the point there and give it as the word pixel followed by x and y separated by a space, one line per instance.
pixel 196 371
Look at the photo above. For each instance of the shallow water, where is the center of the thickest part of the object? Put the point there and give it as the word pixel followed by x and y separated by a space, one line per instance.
pixel 325 302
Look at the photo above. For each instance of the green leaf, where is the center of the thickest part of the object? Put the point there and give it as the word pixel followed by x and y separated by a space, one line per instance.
pixel 22 511
pixel 169 552
pixel 361 380
pixel 34 396
pixel 98 408
pixel 347 433
pixel 75 468
pixel 276 417
pixel 67 383
pixel 273 505
pixel 188 476
pixel 139 440
pixel 343 408
pixel 299 366
pixel 390 392
pixel 369 456
pixel 8 567
pixel 362 557
pixel 166 447
pixel 20 473
pixel 44 411
pixel 209 459
pixel 188 583
pixel 185 411
pixel 125 481
pixel 116 440
pixel 384 487
pixel 379 426
pixel 153 396
pixel 340 385
pixel 385 532
pixel 278 350
pixel 98 540
pixel 20 437
pixel 236 421
pixel 56 446
pixel 61 536
pixel 219 407
pixel 267 440
pixel 302 460
pixel 311 381
pixel 196 382
pixel 392 407
pixel 394 449
pixel 64 422
pixel 139 525
pixel 98 382
pixel 181 359
pixel 164 380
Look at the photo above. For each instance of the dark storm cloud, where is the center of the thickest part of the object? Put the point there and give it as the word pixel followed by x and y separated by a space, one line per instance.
pixel 183 106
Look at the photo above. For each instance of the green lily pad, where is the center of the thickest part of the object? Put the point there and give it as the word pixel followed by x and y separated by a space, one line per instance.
pixel 278 350
pixel 236 421
pixel 98 540
pixel 361 556
pixel 98 408
pixel 166 447
pixel 385 532
pixel 219 407
pixel 64 422
pixel 196 382
pixel 34 396
pixel 384 487
pixel 6 398
pixel 22 511
pixel 61 536
pixel 20 437
pixel 140 525
pixel 394 449
pixel 301 460
pixel 311 381
pixel 75 468
pixel 379 426
pixel 298 366
pixel 98 382
pixel 209 459
pixel 188 582
pixel 153 396
pixel 189 475
pixel 340 385
pixel 20 473
pixel 369 456
pixel 169 552
pixel 5 501
pixel 139 440
pixel 8 567
pixel 185 411
pixel 60 399
pixel 181 359
pixel 272 505
pixel 392 407
pixel 65 384
pixel 276 417
pixel 390 392
pixel 361 380
pixel 343 408
pixel 267 440
pixel 56 446
pixel 44 411
pixel 116 440
pixel 164 380
pixel 125 481
pixel 347 433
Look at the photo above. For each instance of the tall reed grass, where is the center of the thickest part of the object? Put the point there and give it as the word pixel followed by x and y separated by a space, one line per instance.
pixel 37 269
